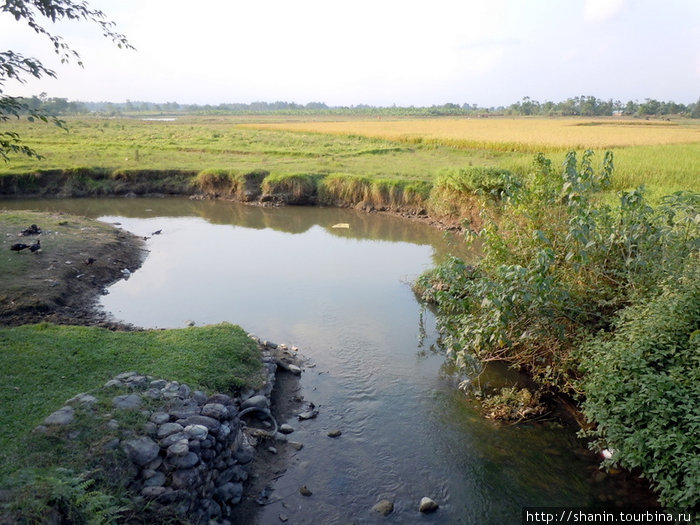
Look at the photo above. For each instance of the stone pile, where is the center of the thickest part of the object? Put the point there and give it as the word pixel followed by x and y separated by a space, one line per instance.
pixel 191 455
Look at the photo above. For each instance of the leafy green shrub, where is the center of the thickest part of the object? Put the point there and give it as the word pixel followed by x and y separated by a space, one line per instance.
pixel 642 386
pixel 495 183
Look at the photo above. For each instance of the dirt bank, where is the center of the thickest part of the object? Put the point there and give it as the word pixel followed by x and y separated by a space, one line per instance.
pixel 61 283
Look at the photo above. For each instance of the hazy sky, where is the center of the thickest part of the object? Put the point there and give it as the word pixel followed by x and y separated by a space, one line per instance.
pixel 379 52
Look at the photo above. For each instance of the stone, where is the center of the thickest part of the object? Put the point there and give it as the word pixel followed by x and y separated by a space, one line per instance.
pixel 62 416
pixel 113 383
pixel 83 398
pixel 198 432
pixel 304 491
pixel 294 369
pixel 127 401
pixel 427 505
pixel 113 424
pixel 286 429
pixel 125 375
pixel 187 461
pixel 230 492
pixel 334 433
pixel 199 396
pixel 179 448
pixel 272 450
pixel 185 478
pixel 167 429
pixel 141 450
pixel 160 417
pixel 383 507
pixel 158 383
pixel 220 398
pixel 172 438
pixel 209 422
pixel 258 401
pixel 215 410
pixel 244 455
pixel 156 480
pixel 296 445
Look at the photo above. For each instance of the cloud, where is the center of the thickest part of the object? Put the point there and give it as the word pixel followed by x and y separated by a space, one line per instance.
pixel 601 10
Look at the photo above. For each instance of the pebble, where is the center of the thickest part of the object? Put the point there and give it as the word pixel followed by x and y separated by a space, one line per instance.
pixel 304 491
pixel 427 505
pixel 334 433
pixel 383 507
pixel 286 429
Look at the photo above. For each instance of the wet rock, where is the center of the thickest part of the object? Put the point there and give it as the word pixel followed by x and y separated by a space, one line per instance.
pixel 383 507
pixel 286 429
pixel 334 433
pixel 198 432
pixel 179 448
pixel 209 422
pixel 308 414
pixel 304 491
pixel 427 505
pixel 172 439
pixel 159 418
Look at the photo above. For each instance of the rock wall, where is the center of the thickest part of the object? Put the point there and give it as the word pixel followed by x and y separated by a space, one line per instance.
pixel 189 453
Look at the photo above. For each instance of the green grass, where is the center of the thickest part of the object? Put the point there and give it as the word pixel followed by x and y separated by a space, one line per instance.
pixel 44 365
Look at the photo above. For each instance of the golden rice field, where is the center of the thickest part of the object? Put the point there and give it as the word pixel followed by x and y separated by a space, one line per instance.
pixel 511 134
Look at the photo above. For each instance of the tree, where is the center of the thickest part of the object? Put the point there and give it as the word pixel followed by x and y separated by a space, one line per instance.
pixel 15 66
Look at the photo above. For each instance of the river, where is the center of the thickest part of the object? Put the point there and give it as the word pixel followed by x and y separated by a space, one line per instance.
pixel 342 295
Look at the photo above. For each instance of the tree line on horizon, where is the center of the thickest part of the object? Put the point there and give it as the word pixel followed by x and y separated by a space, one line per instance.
pixel 586 106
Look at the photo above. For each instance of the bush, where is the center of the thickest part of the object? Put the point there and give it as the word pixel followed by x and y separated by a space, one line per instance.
pixel 642 387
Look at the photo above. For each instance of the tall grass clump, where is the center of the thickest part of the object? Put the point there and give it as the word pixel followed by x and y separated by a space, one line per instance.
pixel 295 188
pixel 218 182
pixel 464 192
pixel 559 269
pixel 338 189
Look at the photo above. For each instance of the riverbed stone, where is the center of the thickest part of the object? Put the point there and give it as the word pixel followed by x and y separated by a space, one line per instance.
pixel 383 507
pixel 159 418
pixel 286 429
pixel 171 439
pixel 179 448
pixel 427 505
pixel 141 450
pixel 209 422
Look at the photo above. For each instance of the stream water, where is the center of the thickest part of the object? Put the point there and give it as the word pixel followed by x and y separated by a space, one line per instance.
pixel 343 296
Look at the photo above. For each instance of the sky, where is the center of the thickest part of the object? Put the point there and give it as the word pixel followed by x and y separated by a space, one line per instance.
pixel 377 52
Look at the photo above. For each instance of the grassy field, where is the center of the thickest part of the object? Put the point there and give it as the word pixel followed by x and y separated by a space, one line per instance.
pixel 662 155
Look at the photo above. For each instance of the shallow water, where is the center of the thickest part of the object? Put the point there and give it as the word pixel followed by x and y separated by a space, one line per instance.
pixel 343 296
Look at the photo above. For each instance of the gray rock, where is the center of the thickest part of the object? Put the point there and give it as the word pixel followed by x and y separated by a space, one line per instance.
pixel 158 383
pixel 296 445
pixel 294 369
pixel 209 422
pixel 199 396
pixel 112 444
pixel 334 433
pixel 62 416
pixel 160 417
pixel 383 507
pixel 230 492
pixel 156 480
pixel 185 478
pixel 187 461
pixel 184 391
pixel 179 448
pixel 127 401
pixel 286 429
pixel 258 401
pixel 172 438
pixel 427 505
pixel 167 429
pixel 244 454
pixel 125 375
pixel 113 383
pixel 198 432
pixel 215 410
pixel 153 492
pixel 141 450
pixel 83 398
pixel 221 398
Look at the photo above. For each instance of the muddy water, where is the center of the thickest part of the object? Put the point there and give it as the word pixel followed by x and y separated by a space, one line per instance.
pixel 343 296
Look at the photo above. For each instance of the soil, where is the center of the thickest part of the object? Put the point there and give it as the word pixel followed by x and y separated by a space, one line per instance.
pixel 66 299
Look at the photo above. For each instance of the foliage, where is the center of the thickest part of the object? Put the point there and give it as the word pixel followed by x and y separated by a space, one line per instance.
pixel 44 495
pixel 494 183
pixel 557 265
pixel 594 300
pixel 642 387
pixel 15 66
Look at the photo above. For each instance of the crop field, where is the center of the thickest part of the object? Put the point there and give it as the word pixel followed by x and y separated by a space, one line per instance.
pixel 664 156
